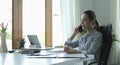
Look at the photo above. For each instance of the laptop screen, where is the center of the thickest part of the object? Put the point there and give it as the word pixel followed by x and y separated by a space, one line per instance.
pixel 34 40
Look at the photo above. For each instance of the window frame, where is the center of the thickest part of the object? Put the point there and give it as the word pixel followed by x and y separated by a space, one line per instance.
pixel 17 23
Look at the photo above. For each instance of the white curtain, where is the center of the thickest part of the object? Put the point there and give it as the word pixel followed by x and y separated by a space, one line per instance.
pixel 70 13
pixel 114 57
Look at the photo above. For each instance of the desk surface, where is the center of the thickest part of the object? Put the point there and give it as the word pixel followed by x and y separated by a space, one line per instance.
pixel 23 59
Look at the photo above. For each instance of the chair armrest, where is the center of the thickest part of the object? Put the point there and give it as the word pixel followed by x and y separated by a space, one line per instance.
pixel 99 63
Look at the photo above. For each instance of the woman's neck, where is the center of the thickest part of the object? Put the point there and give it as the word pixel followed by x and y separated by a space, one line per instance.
pixel 89 31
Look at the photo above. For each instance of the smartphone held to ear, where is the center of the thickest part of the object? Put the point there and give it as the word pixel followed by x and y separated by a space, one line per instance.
pixel 80 28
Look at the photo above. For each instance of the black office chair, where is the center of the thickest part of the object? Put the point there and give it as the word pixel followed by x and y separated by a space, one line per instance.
pixel 106 30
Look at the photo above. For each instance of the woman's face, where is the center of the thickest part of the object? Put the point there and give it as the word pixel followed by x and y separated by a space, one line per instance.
pixel 85 22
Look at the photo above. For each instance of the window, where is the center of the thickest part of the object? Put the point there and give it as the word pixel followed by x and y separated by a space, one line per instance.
pixel 6 17
pixel 57 24
pixel 34 20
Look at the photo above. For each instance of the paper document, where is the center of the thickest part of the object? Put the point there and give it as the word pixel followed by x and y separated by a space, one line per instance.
pixel 65 55
pixel 57 50
pixel 47 48
pixel 60 55
pixel 43 56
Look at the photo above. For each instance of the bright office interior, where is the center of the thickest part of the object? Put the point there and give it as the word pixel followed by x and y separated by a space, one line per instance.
pixel 65 16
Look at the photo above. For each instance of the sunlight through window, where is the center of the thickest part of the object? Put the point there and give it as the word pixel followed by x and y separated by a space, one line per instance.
pixel 57 24
pixel 34 20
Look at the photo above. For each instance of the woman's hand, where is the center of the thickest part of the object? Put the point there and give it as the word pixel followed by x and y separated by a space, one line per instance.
pixel 76 31
pixel 70 50
pixel 67 48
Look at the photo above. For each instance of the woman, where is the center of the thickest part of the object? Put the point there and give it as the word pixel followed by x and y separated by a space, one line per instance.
pixel 90 42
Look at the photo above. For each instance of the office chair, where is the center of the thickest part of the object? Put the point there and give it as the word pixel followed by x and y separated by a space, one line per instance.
pixel 106 30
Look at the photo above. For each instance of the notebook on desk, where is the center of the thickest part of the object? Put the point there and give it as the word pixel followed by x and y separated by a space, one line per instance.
pixel 58 55
pixel 65 55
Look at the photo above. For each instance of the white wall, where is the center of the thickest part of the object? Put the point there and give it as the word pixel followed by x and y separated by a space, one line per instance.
pixel 101 8
pixel 86 5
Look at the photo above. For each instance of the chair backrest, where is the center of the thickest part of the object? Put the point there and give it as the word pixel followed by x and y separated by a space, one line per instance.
pixel 34 40
pixel 106 30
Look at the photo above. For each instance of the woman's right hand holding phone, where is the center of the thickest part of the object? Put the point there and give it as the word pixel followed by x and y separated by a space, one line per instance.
pixel 76 31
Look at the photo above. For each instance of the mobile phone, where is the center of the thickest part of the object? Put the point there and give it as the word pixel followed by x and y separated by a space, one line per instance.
pixel 80 28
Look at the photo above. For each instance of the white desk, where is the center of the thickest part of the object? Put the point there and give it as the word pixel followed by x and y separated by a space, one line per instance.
pixel 22 59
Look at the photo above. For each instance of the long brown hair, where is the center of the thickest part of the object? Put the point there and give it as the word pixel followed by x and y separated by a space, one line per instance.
pixel 92 17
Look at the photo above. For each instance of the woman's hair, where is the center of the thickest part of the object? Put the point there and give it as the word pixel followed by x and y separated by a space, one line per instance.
pixel 92 17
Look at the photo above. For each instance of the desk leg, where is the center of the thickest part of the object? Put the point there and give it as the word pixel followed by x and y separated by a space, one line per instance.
pixel 84 62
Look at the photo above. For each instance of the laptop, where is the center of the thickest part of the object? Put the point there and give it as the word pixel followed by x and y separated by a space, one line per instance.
pixel 35 41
